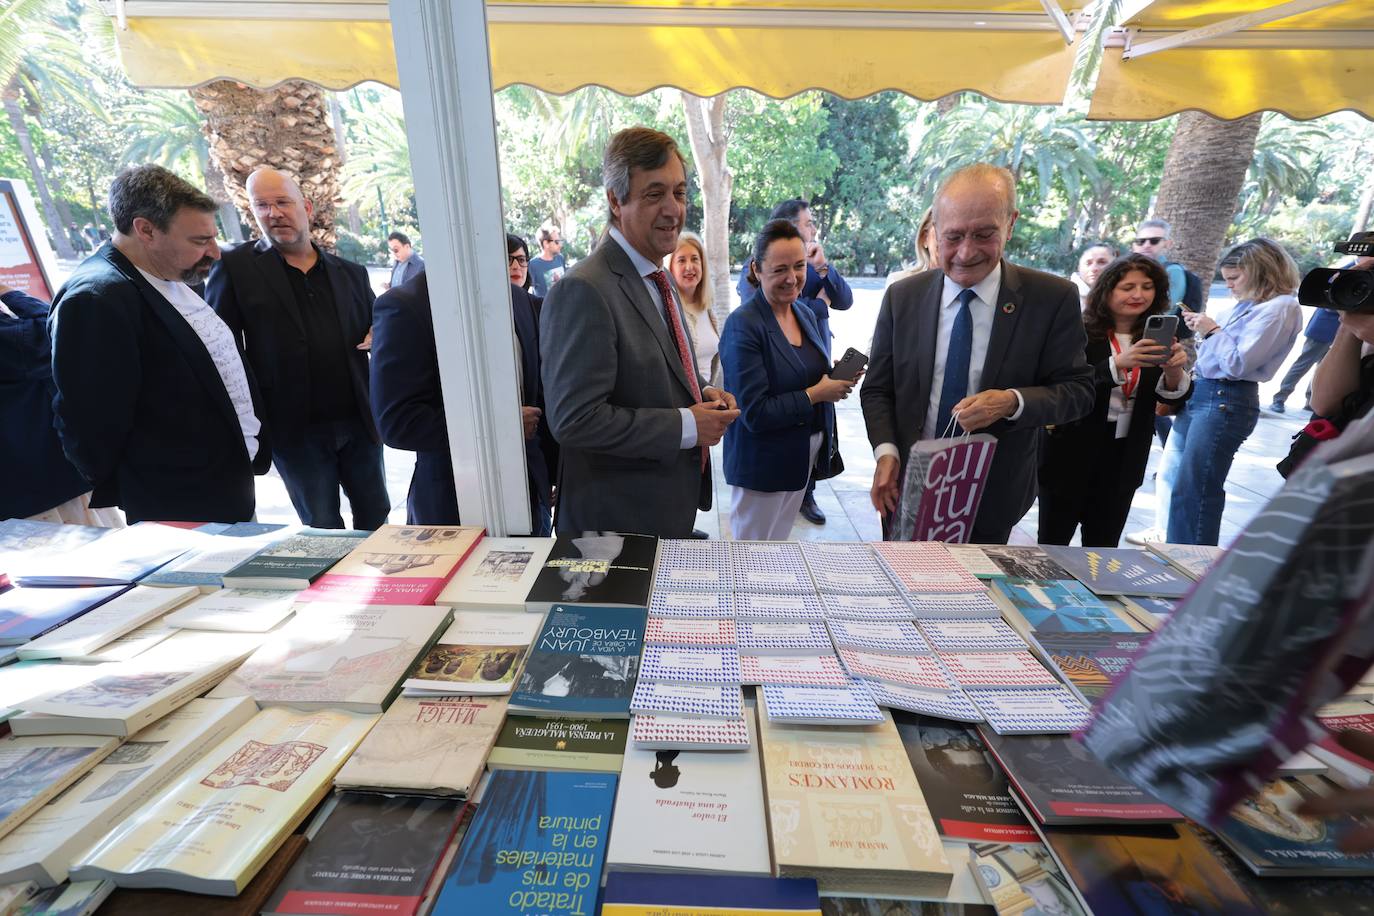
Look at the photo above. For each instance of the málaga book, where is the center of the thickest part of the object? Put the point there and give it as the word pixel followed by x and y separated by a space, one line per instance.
pixel 34 769
pixel 432 746
pixel 43 847
pixel 690 811
pixel 294 562
pixel 844 808
pixel 497 575
pixel 600 568
pixel 397 564
pixel 585 662
pixel 480 652
pixel 107 622
pixel 534 743
pixel 211 830
pixel 350 657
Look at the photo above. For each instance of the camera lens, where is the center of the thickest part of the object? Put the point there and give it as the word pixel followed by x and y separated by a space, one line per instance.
pixel 1352 290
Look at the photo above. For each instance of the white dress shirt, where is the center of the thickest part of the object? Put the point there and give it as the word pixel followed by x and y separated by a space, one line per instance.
pixel 646 268
pixel 981 309
pixel 219 341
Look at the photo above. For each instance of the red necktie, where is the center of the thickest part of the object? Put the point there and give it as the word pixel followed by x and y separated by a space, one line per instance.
pixel 675 331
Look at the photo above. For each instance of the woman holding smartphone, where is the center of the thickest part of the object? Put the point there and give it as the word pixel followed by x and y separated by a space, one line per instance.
pixel 1094 466
pixel 775 362
pixel 1232 359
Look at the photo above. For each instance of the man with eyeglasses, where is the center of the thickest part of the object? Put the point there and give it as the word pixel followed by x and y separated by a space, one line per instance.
pixel 1152 239
pixel 548 267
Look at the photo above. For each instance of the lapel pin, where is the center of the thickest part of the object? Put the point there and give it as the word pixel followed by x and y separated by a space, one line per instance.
pixel 1008 308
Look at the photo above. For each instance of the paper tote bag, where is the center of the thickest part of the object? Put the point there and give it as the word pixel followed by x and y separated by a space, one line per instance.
pixel 943 486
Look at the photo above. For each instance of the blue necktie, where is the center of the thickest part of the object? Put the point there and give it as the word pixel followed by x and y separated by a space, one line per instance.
pixel 957 358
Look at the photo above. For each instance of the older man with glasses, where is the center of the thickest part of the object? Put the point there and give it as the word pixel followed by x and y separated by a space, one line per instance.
pixel 548 267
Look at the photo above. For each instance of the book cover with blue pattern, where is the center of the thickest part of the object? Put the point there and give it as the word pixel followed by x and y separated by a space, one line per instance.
pixel 536 845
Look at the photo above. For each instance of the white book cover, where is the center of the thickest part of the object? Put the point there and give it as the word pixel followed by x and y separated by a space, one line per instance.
pixel 1030 710
pixel 848 705
pixel 207 565
pixel 952 705
pixel 715 665
pixel 920 672
pixel 796 670
pixel 899 636
pixel 132 644
pixel 692 565
pixel 783 637
pixel 481 652
pixel 43 847
pixel 997 669
pixel 213 828
pixel 25 681
pixel 978 605
pixel 346 656
pixel 126 696
pixel 771 567
pixel 108 622
pixel 33 769
pixel 961 634
pixel 778 607
pixel 705 701
pixel 866 607
pixel 693 605
pixel 927 568
pixel 497 574
pixel 972 558
pixel 676 631
pixel 660 732
pixel 694 811
pixel 235 610
pixel 846 569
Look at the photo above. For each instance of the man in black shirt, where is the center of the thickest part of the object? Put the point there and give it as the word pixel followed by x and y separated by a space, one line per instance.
pixel 303 316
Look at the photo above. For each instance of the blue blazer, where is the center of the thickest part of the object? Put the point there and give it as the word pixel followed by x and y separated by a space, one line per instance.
pixel 834 286
pixel 768 447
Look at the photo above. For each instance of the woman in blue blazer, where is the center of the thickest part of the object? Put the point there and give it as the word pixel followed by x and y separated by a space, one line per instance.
pixel 774 360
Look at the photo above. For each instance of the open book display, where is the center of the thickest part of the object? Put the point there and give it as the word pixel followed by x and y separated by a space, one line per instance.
pixel 745 724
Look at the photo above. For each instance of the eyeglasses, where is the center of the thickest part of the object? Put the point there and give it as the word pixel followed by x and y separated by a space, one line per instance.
pixel 1152 240
pixel 555 241
pixel 519 259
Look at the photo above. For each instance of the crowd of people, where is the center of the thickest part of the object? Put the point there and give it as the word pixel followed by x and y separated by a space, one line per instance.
pixel 178 372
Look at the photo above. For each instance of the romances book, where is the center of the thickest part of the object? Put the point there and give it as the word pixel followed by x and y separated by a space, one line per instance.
pixel 585 662
pixel 480 652
pixel 293 562
pixel 339 656
pixel 536 845
pixel 497 575
pixel 844 808
pixel 397 564
pixel 212 829
pixel 600 568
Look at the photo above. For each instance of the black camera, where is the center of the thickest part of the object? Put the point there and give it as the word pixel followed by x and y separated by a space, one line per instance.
pixel 1346 290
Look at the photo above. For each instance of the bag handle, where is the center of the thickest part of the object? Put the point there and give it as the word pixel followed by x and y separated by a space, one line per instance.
pixel 954 427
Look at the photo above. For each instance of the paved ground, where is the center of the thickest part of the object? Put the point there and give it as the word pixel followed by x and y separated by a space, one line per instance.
pixel 850 516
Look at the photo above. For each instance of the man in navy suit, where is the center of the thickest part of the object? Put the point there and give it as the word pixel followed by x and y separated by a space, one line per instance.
pixel 825 289
pixel 302 316
pixel 155 405
pixel 409 404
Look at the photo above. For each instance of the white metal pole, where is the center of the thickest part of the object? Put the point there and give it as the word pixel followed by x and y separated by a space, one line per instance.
pixel 445 69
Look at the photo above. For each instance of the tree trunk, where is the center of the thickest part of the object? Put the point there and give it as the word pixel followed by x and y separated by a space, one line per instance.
pixel 709 138
pixel 1203 175
pixel 56 228
pixel 287 128
pixel 945 104
pixel 216 187
pixel 1366 203
pixel 354 220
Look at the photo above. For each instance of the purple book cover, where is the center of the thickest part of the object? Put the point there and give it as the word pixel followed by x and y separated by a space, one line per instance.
pixel 944 485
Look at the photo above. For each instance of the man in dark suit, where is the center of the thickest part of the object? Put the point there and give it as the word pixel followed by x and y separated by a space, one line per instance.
pixel 303 317
pixel 409 264
pixel 409 404
pixel 624 398
pixel 154 404
pixel 979 344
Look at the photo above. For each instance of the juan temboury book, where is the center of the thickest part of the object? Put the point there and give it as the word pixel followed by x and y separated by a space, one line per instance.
pixel 497 575
pixel 28 613
pixel 480 652
pixel 584 663
pixel 43 847
pixel 967 792
pixel 374 854
pixel 1273 838
pixel 690 811
pixel 397 564
pixel 205 566
pixel 294 562
pixel 1090 662
pixel 350 657
pixel 1062 784
pixel 537 743
pixel 536 845
pixel 106 622
pixel 1121 571
pixel 603 569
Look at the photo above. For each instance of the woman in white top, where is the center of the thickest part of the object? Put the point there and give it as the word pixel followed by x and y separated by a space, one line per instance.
pixel 688 267
pixel 927 257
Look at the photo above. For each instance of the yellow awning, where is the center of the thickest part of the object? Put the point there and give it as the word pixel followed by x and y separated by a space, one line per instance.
pixel 1304 65
pixel 1012 50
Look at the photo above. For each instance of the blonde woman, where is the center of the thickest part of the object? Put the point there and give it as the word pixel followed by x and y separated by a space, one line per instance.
pixel 926 250
pixel 688 267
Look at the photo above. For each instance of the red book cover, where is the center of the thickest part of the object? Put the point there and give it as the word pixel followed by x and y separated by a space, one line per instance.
pixel 397 564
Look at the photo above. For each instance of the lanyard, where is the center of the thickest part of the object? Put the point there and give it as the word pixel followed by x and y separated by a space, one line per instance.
pixel 1132 375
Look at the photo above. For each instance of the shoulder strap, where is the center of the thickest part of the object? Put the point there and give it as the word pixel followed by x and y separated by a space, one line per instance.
pixel 1178 282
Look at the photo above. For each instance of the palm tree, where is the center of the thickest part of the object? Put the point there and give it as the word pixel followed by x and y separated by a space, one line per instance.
pixel 1203 175
pixel 286 127
pixel 379 160
pixel 38 60
pixel 166 128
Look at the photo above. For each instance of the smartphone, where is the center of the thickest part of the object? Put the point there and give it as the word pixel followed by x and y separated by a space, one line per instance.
pixel 849 366
pixel 1161 329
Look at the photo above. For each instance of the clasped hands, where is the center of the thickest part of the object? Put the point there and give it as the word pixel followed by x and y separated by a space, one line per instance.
pixel 716 411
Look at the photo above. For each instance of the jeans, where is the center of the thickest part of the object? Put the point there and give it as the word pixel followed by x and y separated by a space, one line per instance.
pixel 1190 488
pixel 1311 354
pixel 329 455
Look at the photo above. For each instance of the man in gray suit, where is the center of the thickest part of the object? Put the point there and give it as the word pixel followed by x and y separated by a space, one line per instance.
pixel 622 393
pixel 979 344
